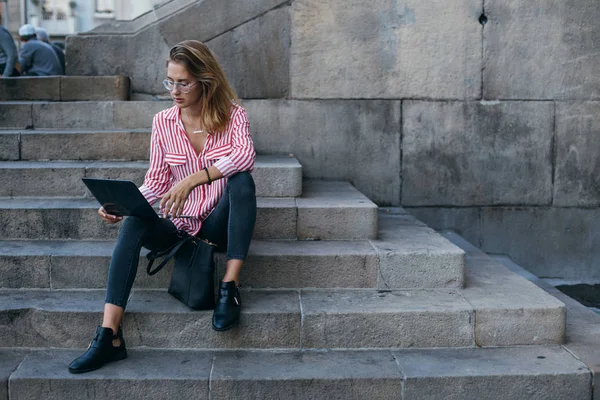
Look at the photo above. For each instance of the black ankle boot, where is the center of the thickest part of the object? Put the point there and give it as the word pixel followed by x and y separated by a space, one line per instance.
pixel 229 305
pixel 100 352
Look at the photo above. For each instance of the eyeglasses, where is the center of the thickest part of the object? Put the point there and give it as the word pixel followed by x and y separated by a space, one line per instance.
pixel 184 87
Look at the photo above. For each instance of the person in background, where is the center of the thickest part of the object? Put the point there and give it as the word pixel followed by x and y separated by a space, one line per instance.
pixel 36 58
pixel 8 53
pixel 42 35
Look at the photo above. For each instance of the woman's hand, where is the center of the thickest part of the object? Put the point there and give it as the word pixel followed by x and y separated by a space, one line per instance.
pixel 172 203
pixel 109 218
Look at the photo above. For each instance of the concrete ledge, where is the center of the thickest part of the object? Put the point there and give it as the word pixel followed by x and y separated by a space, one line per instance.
pixel 9 361
pixel 414 255
pixel 449 374
pixel 509 309
pixel 274 176
pixel 65 88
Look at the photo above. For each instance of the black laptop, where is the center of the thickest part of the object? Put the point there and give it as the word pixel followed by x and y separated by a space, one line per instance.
pixel 121 198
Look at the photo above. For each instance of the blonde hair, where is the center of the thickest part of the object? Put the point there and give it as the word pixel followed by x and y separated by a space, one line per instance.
pixel 217 96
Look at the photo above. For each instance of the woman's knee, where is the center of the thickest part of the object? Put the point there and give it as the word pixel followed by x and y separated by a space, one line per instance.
pixel 241 184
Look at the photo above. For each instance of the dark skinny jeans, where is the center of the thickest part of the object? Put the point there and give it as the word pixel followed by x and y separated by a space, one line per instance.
pixel 229 226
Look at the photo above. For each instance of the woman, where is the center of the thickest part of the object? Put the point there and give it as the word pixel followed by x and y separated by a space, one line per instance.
pixel 200 161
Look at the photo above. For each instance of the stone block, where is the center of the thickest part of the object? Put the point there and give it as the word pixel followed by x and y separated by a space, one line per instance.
pixel 550 242
pixel 75 115
pixel 386 49
pixel 85 145
pixel 477 153
pixel 553 52
pixel 305 375
pixel 270 319
pixel 465 221
pixel 275 219
pixel 411 318
pixel 29 179
pixel 509 310
pixel 327 139
pixel 318 264
pixel 34 88
pixel 255 55
pixel 335 210
pixel 277 176
pixel 501 373
pixel 211 18
pixel 140 56
pixel 15 115
pixel 48 219
pixel 10 146
pixel 132 171
pixel 138 114
pixel 157 374
pixel 414 256
pixel 94 88
pixel 576 182
pixel 9 361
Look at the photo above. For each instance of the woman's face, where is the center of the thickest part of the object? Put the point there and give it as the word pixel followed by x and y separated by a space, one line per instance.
pixel 178 73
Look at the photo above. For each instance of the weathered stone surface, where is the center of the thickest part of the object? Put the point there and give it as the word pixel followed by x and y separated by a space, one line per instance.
pixel 412 255
pixel 410 318
pixel 277 176
pixel 140 56
pixel 67 115
pixel 137 114
pixel 97 88
pixel 20 271
pixel 159 374
pixel 270 319
pixel 276 218
pixel 255 55
pixel 495 374
pixel 465 221
pixel 319 264
pixel 9 146
pixel 211 18
pixel 357 141
pixel 38 88
pixel 15 115
pixel 78 219
pixel 552 232
pixel 577 182
pixel 472 153
pixel 9 361
pixel 509 310
pixel 386 49
pixel 305 375
pixel 85 145
pixel 542 50
pixel 350 215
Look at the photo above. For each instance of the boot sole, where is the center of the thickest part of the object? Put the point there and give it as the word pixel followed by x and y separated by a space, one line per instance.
pixel 118 357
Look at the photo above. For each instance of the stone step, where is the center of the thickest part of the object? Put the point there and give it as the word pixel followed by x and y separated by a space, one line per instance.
pixel 406 255
pixel 275 176
pixel 496 308
pixel 541 372
pixel 70 144
pixel 326 210
pixel 65 88
pixel 80 114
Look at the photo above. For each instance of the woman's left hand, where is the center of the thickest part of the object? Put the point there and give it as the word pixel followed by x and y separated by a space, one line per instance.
pixel 173 201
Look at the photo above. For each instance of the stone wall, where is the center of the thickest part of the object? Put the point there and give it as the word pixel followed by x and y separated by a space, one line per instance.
pixel 477 115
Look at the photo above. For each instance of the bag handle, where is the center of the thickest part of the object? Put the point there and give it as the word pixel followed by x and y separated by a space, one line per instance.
pixel 170 253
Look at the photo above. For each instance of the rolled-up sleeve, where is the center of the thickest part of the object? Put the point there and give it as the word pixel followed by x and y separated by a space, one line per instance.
pixel 242 154
pixel 158 178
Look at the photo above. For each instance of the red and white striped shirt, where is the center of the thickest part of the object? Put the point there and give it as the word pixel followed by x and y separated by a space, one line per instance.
pixel 173 158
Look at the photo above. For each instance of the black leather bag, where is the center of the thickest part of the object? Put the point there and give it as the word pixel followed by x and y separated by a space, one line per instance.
pixel 192 280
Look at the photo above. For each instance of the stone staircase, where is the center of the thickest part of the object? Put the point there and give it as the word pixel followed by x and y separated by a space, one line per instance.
pixel 341 300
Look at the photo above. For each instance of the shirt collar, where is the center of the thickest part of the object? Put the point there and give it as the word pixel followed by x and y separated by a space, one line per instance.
pixel 173 113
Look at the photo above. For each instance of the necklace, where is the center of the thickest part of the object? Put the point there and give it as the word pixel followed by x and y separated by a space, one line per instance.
pixel 194 131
